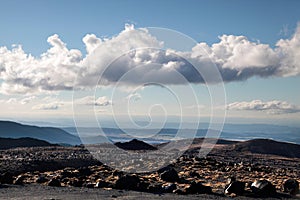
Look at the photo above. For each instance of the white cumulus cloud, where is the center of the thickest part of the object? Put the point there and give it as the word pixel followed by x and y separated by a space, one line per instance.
pixel 27 100
pixel 92 101
pixel 48 106
pixel 271 107
pixel 59 68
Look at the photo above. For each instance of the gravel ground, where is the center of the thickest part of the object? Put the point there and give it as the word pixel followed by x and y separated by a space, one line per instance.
pixel 212 171
pixel 31 192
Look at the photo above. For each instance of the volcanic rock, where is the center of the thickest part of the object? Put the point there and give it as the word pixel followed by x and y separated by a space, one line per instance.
pixel 235 187
pixel 84 171
pixel 263 188
pixel 101 184
pixel 128 182
pixel 19 180
pixel 168 174
pixel 155 188
pixel 6 178
pixel 198 188
pixel 291 186
pixel 54 182
pixel 41 179
pixel 169 188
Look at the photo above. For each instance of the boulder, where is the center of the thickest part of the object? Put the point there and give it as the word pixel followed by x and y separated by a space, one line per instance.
pixel 198 188
pixel 85 171
pixel 234 187
pixel 101 184
pixel 263 188
pixel 67 174
pixel 168 174
pixel 54 182
pixel 41 179
pixel 291 186
pixel 169 188
pixel 19 180
pixel 6 178
pixel 89 185
pixel 76 183
pixel 127 182
pixel 155 188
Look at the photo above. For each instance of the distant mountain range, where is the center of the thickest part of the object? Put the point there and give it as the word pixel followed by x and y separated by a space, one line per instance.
pixel 239 132
pixel 92 135
pixel 52 135
pixel 14 134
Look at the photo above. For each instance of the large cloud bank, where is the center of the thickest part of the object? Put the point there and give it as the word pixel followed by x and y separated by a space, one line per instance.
pixel 60 68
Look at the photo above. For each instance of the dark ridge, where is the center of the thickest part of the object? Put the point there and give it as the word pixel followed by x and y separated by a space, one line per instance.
pixel 135 145
pixel 267 146
pixel 9 143
pixel 10 129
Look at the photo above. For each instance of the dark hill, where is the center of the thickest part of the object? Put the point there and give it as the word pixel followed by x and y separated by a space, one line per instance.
pixel 8 143
pixel 267 146
pixel 53 135
pixel 135 145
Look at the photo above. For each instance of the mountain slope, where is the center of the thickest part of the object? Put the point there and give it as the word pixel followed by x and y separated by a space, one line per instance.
pixel 267 146
pixel 8 143
pixel 10 129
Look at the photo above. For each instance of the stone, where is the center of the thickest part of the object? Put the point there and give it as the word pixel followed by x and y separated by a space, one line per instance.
pixel 19 180
pixel 101 184
pixel 143 186
pixel 89 185
pixel 291 186
pixel 84 171
pixel 169 174
pixel 41 179
pixel 127 182
pixel 76 183
pixel 155 188
pixel 54 182
pixel 263 188
pixel 6 178
pixel 234 187
pixel 66 174
pixel 117 173
pixel 169 188
pixel 198 188
pixel 179 191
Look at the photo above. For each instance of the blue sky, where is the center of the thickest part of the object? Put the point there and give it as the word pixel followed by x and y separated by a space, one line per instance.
pixel 262 22
pixel 29 24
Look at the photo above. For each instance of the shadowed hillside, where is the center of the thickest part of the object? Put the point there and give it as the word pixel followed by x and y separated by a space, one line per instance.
pixel 266 146
pixel 8 143
pixel 53 135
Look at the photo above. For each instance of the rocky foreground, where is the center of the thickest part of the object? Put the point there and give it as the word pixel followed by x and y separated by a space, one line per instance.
pixel 186 176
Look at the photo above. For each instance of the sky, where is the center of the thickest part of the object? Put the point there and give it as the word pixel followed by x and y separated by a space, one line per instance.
pixel 132 60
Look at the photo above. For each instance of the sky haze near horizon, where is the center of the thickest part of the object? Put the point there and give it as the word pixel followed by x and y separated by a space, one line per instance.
pixel 254 44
